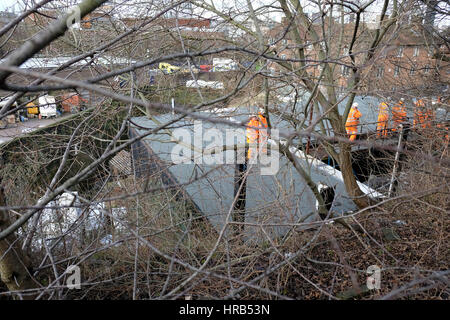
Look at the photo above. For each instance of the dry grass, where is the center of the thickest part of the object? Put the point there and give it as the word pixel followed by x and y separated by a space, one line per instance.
pixel 407 237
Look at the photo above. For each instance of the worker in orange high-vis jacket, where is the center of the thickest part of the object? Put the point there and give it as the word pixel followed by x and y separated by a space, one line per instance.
pixel 399 114
pixel 419 114
pixel 430 116
pixel 383 119
pixel 257 134
pixel 351 126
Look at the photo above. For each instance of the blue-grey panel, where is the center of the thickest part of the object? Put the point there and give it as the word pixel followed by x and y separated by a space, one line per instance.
pixel 280 198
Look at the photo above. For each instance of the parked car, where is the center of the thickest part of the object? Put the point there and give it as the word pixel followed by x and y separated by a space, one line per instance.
pixel 167 68
pixel 205 84
pixel 28 130
pixel 205 67
pixel 223 64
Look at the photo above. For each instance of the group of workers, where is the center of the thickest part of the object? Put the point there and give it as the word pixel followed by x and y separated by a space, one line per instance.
pixel 423 118
pixel 257 127
pixel 399 117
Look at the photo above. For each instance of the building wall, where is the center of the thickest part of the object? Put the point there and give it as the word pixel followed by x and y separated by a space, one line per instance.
pixel 403 63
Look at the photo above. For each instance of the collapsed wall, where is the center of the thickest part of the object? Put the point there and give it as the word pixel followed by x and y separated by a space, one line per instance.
pixel 278 201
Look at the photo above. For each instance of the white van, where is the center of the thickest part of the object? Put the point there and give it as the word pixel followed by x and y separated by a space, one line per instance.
pixel 204 84
pixel 47 106
pixel 223 64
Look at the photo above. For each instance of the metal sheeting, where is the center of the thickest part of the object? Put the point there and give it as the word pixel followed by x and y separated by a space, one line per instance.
pixel 270 199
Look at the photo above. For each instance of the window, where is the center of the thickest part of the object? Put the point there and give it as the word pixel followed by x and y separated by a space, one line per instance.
pixel 283 56
pixel 284 42
pixel 380 72
pixel 412 71
pixel 396 71
pixel 271 41
pixel 427 69
pixel 400 52
pixel 416 51
pixel 187 5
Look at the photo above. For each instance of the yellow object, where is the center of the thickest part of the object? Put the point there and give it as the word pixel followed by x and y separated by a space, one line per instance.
pixel 352 123
pixel 32 108
pixel 168 68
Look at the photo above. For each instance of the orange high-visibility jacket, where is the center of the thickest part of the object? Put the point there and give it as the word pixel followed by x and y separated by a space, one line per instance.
pixel 419 113
pixel 262 119
pixel 353 118
pixel 383 118
pixel 383 111
pixel 352 123
pixel 429 117
pixel 263 134
pixel 70 101
pixel 399 113
pixel 252 134
pixel 256 135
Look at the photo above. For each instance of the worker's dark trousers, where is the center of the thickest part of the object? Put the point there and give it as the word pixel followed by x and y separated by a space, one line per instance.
pixel 240 191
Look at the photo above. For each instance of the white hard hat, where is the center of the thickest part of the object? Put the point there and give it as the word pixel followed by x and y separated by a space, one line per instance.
pixel 261 110
pixel 402 99
pixel 355 105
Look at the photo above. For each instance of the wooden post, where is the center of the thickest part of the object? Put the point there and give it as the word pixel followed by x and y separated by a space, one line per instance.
pixel 397 154
pixel 240 192
pixel 308 144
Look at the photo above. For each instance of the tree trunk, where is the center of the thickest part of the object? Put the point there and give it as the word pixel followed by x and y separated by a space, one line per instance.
pixel 14 264
pixel 353 190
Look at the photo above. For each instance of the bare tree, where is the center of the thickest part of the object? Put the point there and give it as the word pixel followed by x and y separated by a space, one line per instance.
pixel 74 195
